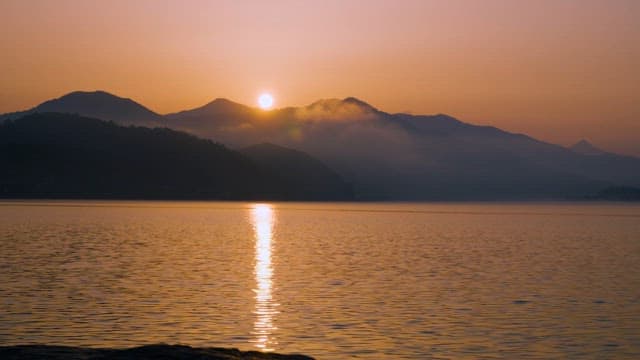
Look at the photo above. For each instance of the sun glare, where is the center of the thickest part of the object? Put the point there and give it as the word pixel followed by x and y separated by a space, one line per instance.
pixel 263 218
pixel 265 101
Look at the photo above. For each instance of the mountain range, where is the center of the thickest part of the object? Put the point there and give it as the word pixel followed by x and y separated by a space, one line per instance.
pixel 383 156
pixel 57 155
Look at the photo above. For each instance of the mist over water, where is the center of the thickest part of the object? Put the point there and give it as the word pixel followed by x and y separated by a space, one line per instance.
pixel 331 280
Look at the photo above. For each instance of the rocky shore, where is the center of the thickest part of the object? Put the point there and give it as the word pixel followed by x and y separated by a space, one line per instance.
pixel 159 351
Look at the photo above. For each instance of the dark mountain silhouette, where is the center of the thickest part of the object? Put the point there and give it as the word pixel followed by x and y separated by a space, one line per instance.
pixel 97 104
pixel 412 157
pixel 52 155
pixel 219 113
pixel 407 157
pixel 216 107
pixel 308 177
pixel 586 148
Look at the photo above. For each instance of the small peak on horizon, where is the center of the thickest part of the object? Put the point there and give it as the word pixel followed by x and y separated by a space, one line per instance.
pixel 337 109
pixel 217 106
pixel 223 102
pixel 335 103
pixel 361 103
pixel 584 147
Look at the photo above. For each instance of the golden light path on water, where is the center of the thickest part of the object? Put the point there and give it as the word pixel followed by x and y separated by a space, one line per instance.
pixel 263 218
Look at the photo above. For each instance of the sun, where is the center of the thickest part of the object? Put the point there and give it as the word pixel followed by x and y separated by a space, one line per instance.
pixel 265 101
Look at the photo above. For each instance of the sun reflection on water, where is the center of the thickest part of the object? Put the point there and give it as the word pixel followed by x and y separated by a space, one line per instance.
pixel 263 218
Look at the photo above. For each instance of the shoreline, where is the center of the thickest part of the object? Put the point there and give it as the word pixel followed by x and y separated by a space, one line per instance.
pixel 154 351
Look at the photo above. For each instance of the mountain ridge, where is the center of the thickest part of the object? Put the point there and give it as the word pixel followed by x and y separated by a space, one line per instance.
pixel 226 105
pixel 97 104
pixel 411 157
pixel 54 155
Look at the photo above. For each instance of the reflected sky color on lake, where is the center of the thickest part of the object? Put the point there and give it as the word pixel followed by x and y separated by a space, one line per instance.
pixel 263 218
pixel 331 280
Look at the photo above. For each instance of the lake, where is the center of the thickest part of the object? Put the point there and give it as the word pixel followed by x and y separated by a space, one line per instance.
pixel 330 280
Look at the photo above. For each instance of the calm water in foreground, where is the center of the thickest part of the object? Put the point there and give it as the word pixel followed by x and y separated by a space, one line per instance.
pixel 331 280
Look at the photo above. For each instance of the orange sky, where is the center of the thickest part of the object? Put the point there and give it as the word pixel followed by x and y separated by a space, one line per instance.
pixel 557 70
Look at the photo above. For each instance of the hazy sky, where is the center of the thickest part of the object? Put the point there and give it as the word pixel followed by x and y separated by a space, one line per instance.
pixel 557 70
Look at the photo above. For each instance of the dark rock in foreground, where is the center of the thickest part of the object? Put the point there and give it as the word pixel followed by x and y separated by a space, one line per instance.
pixel 159 351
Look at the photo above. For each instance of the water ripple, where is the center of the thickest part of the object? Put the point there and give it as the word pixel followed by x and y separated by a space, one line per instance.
pixel 336 281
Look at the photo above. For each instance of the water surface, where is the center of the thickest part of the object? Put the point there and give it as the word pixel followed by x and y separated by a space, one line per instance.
pixel 331 280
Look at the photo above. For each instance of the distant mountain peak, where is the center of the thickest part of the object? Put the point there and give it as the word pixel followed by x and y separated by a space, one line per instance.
pixel 220 106
pixel 222 102
pixel 584 147
pixel 337 109
pixel 96 95
pixel 335 103
pixel 360 103
pixel 100 104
